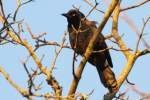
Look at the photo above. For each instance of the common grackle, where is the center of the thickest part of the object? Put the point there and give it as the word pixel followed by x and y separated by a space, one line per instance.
pixel 80 34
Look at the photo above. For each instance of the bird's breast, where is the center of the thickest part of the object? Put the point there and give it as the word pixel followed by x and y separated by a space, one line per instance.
pixel 79 40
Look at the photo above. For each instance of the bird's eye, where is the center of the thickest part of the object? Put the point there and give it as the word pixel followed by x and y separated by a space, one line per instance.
pixel 73 14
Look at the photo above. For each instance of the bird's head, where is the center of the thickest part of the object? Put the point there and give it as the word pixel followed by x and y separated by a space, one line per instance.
pixel 73 17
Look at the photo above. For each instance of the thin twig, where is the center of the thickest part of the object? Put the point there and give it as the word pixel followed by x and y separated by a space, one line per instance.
pixel 17 87
pixel 111 48
pixel 89 3
pixel 19 6
pixel 30 82
pixel 134 6
pixel 32 35
pixel 96 4
pixel 46 43
pixel 129 82
pixel 141 34
pixel 57 53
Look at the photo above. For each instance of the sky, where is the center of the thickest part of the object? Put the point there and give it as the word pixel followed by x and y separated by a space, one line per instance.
pixel 45 16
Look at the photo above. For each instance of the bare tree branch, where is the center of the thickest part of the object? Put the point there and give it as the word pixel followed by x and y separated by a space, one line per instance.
pixel 57 53
pixel 32 35
pixel 19 6
pixel 141 34
pixel 89 3
pixel 17 87
pixel 134 6
pixel 46 43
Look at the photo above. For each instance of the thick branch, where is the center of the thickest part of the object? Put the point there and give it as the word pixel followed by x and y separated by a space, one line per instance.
pixel 131 58
pixel 51 81
pixel 115 32
pixel 126 70
pixel 121 44
pixel 37 61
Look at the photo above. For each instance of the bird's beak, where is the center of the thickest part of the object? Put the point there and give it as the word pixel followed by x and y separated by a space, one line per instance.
pixel 65 15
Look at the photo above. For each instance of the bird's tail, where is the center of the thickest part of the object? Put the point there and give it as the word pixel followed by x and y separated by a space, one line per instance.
pixel 107 78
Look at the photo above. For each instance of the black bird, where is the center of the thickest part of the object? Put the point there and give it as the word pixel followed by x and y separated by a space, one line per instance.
pixel 80 34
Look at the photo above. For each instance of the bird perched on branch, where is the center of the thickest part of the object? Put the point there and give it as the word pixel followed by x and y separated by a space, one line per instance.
pixel 80 33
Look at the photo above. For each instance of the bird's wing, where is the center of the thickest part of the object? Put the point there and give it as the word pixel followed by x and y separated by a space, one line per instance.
pixel 108 57
pixel 101 43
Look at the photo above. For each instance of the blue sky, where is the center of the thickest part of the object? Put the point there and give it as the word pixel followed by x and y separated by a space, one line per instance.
pixel 45 16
